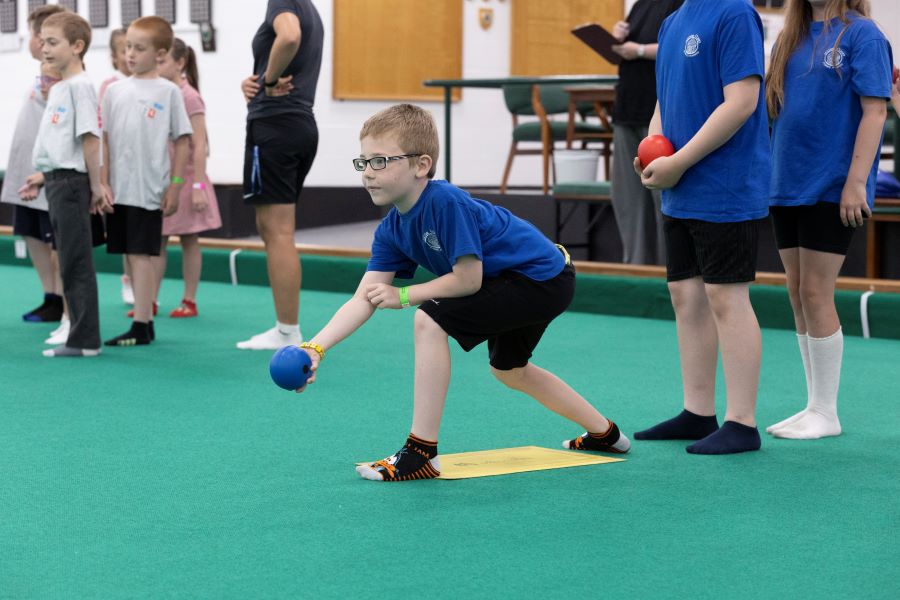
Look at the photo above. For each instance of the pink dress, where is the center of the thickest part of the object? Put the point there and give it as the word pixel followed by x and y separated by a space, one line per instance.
pixel 186 219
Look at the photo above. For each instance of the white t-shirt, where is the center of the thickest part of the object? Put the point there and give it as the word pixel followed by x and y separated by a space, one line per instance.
pixel 71 113
pixel 140 116
pixel 20 165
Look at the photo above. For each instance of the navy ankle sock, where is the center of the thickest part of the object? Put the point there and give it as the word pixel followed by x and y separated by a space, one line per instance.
pixel 686 426
pixel 731 438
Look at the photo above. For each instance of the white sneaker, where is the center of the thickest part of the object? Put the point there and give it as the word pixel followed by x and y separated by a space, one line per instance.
pixel 60 335
pixel 127 290
pixel 273 339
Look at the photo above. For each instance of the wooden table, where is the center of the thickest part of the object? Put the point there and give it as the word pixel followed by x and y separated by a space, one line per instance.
pixel 497 83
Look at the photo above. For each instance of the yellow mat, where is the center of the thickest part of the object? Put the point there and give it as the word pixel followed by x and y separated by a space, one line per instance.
pixel 504 461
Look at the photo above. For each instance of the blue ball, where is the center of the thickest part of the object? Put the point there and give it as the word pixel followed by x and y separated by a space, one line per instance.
pixel 290 367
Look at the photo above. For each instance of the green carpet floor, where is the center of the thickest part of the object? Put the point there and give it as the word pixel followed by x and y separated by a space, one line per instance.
pixel 180 471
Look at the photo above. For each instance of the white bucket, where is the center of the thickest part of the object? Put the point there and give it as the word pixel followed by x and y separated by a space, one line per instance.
pixel 575 165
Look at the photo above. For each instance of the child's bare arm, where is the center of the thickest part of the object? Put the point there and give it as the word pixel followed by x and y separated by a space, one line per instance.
pixel 90 145
pixel 199 199
pixel 465 280
pixel 655 127
pixel 868 136
pixel 104 167
pixel 741 99
pixel 348 317
pixel 179 161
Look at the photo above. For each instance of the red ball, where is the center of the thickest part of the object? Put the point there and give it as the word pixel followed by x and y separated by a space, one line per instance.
pixel 652 147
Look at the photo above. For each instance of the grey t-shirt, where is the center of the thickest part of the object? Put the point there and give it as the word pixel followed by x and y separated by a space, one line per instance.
pixel 304 67
pixel 140 116
pixel 20 164
pixel 71 112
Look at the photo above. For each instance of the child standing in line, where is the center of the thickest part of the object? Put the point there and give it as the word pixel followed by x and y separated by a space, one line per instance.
pixel 198 209
pixel 26 193
pixel 140 115
pixel 831 64
pixel 498 280
pixel 120 65
pixel 67 152
pixel 709 71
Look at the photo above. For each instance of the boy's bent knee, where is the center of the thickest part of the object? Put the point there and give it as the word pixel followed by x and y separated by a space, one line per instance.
pixel 510 377
pixel 423 324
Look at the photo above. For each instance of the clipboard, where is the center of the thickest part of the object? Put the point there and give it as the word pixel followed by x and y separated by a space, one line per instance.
pixel 599 40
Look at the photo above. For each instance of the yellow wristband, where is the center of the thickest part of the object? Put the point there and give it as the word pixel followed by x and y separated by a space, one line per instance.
pixel 314 346
pixel 404 297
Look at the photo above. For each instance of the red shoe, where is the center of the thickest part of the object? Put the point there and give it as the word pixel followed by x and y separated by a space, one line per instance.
pixel 155 310
pixel 184 310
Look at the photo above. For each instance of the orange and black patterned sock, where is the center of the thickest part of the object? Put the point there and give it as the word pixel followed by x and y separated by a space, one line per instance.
pixel 416 460
pixel 611 440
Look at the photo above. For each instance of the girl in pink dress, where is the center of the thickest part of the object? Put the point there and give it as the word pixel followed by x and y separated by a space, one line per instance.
pixel 198 209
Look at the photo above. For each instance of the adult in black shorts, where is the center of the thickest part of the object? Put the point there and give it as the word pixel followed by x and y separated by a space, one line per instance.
pixel 281 143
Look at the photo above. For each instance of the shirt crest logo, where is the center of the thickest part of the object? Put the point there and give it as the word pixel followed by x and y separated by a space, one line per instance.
pixel 692 45
pixel 431 240
pixel 151 108
pixel 57 115
pixel 834 58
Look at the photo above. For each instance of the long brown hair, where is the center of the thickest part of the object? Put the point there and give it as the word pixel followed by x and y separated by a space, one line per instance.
pixel 181 51
pixel 798 17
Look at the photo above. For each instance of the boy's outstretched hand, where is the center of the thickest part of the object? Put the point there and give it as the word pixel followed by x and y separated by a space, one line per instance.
pixel 314 359
pixel 383 295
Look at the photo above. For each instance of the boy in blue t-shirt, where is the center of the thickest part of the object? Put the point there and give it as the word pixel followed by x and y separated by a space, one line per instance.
pixel 709 72
pixel 498 280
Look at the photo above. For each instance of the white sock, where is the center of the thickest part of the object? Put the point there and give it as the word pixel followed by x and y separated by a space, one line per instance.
pixel 285 329
pixel 820 420
pixel 803 343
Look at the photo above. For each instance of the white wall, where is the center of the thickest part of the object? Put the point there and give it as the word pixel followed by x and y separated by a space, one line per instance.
pixel 481 124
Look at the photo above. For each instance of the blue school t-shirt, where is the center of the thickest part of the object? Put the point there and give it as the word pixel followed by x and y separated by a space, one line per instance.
pixel 815 131
pixel 704 46
pixel 447 223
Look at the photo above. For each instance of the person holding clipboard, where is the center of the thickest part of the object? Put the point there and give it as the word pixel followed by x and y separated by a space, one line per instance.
pixel 637 209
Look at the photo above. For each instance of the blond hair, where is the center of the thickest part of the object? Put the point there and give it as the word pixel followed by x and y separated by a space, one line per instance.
pixel 797 20
pixel 160 31
pixel 73 27
pixel 413 127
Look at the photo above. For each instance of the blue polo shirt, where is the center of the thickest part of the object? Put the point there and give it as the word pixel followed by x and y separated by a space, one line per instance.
pixel 814 134
pixel 446 223
pixel 703 47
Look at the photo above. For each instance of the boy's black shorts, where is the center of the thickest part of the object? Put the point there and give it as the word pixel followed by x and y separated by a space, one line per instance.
pixel 134 230
pixel 33 223
pixel 510 311
pixel 719 252
pixel 278 154
pixel 814 227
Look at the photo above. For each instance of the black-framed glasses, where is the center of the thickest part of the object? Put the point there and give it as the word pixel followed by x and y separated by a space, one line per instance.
pixel 378 162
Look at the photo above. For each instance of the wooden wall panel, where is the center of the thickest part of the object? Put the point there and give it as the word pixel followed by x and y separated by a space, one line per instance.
pixel 543 45
pixel 384 49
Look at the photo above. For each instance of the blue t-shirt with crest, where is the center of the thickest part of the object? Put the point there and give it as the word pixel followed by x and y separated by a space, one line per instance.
pixel 704 46
pixel 814 134
pixel 447 223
